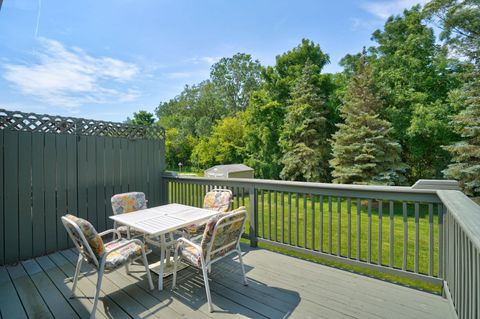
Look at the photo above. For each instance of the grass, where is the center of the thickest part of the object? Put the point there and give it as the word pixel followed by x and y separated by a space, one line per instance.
pixel 275 224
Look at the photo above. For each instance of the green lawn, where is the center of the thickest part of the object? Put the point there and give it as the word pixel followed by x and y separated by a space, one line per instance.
pixel 270 227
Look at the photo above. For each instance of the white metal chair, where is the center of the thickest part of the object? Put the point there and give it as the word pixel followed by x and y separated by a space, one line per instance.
pixel 220 239
pixel 218 199
pixel 103 256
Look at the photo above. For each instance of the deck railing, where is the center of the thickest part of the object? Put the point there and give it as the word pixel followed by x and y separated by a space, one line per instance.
pixel 421 234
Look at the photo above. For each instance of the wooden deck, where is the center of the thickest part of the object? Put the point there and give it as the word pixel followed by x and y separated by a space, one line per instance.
pixel 280 287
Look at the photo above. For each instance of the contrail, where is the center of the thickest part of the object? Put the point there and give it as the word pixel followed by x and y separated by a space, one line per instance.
pixel 38 17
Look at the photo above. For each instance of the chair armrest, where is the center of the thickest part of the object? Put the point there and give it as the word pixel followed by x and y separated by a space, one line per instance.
pixel 189 243
pixel 109 231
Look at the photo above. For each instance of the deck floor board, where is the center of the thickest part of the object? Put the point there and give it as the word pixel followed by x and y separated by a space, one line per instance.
pixel 279 287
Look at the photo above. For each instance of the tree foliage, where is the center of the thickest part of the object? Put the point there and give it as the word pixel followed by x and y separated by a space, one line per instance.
pixel 304 135
pixel 363 149
pixel 142 118
pixel 235 78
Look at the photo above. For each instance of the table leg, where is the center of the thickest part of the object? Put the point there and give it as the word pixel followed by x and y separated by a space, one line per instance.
pixel 162 261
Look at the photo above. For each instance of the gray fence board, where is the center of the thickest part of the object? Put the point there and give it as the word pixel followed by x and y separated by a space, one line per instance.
pixel 11 196
pixel 61 145
pixel 24 193
pixel 100 186
pixel 38 202
pixel 92 181
pixel 50 205
pixel 2 255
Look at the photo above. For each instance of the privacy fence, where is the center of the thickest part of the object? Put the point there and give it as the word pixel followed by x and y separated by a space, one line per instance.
pixel 52 165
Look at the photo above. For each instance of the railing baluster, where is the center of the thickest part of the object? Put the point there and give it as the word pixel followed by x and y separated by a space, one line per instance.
pixel 329 224
pixel 312 198
pixel 237 199
pixel 243 196
pixel 369 232
pixel 282 204
pixel 349 231
pixel 269 216
pixel 430 241
pixel 405 236
pixel 380 230
pixel 297 230
pixel 417 237
pixel 441 213
pixel 262 209
pixel 392 234
pixel 359 229
pixel 320 231
pixel 275 216
pixel 289 225
pixel 339 224
pixel 304 220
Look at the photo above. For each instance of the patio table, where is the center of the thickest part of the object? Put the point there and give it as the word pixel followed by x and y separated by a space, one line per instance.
pixel 162 220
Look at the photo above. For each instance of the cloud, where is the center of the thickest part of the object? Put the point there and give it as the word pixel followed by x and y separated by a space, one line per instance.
pixel 205 59
pixel 70 78
pixel 384 9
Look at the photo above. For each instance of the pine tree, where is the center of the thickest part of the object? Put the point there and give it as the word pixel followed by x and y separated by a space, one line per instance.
pixel 466 153
pixel 363 149
pixel 304 134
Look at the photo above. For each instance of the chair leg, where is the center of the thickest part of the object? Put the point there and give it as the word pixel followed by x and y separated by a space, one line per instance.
pixel 77 273
pixel 239 252
pixel 97 292
pixel 207 288
pixel 127 270
pixel 149 275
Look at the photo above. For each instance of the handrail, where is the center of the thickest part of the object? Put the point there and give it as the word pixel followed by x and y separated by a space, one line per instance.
pixel 327 188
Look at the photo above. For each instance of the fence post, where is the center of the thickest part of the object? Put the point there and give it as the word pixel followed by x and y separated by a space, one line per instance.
pixel 252 192
pixel 164 191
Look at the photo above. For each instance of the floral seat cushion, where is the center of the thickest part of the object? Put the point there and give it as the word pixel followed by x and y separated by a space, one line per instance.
pixel 133 232
pixel 94 240
pixel 190 254
pixel 123 255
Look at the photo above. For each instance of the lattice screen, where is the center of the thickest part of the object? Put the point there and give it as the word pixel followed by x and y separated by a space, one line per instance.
pixel 32 122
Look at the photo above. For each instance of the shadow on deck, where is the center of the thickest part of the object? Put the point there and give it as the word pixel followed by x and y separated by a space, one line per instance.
pixel 279 287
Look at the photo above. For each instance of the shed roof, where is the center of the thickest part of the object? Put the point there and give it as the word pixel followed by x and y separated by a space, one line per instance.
pixel 224 169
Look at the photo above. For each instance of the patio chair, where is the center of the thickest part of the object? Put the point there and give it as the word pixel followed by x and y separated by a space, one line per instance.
pixel 102 256
pixel 220 239
pixel 126 203
pixel 216 199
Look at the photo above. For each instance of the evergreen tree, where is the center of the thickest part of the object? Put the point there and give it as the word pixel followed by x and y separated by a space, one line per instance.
pixel 363 149
pixel 304 134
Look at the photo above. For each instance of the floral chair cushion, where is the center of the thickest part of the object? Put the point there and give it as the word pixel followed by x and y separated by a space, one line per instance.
pixel 123 255
pixel 90 234
pixel 133 232
pixel 128 202
pixel 218 200
pixel 190 254
pixel 214 200
pixel 224 236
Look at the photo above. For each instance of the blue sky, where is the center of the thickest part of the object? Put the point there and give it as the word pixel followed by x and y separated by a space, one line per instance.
pixel 107 59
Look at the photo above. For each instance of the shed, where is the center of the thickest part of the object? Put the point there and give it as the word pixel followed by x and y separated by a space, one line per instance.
pixel 230 171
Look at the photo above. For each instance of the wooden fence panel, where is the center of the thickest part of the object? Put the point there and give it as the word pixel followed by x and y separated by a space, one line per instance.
pixel 44 176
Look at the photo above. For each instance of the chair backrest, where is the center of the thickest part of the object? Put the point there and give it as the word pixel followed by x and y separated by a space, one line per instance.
pixel 128 202
pixel 222 233
pixel 85 238
pixel 218 199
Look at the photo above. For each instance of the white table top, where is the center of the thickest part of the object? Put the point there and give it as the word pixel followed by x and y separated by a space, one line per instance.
pixel 163 219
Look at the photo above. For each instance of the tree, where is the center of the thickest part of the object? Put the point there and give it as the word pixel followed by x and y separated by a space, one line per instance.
pixel 263 121
pixel 142 118
pixel 178 147
pixel 226 144
pixel 414 74
pixel 363 149
pixel 460 24
pixel 281 78
pixel 304 134
pixel 235 79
